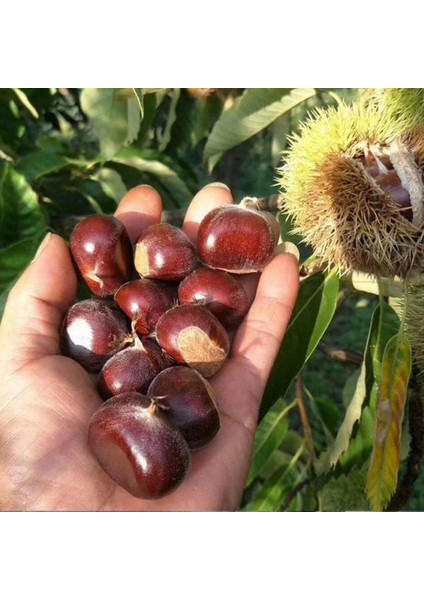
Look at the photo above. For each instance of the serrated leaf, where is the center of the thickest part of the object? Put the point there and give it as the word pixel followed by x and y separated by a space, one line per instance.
pixel 13 260
pixel 38 164
pixel 151 163
pixel 269 435
pixel 115 114
pixel 385 459
pixel 353 414
pixel 312 315
pixel 345 493
pixel 252 112
pixel 20 214
pixel 384 324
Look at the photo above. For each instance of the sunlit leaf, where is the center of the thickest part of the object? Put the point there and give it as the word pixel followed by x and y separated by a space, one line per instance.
pixel 312 315
pixel 251 113
pixel 115 114
pixel 384 286
pixel 385 460
pixel 153 164
pixel 111 183
pixel 23 99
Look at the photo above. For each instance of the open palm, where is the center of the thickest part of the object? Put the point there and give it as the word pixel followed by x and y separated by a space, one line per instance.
pixel 46 400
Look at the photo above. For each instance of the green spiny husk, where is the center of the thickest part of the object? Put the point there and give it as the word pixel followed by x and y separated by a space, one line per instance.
pixel 335 204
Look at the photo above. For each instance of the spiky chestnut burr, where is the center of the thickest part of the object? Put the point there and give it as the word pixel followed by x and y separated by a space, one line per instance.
pixel 353 183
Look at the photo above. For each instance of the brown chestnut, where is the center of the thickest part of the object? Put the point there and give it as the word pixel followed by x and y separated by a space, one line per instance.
pixel 236 239
pixel 102 252
pixel 92 331
pixel 190 402
pixel 131 369
pixel 137 447
pixel 144 301
pixel 164 252
pixel 192 335
pixel 218 291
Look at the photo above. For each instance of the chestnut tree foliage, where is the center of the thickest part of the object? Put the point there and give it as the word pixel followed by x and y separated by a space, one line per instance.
pixel 66 153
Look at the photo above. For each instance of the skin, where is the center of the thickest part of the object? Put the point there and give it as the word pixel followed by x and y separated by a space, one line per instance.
pixel 46 400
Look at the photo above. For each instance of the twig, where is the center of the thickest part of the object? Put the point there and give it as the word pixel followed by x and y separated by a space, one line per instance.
pixel 307 431
pixel 295 491
pixel 341 355
pixel 416 449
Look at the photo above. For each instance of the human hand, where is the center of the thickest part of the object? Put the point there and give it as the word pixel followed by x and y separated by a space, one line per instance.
pixel 46 400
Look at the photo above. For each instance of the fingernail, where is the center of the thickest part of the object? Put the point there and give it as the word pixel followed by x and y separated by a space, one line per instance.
pixel 42 246
pixel 288 248
pixel 217 184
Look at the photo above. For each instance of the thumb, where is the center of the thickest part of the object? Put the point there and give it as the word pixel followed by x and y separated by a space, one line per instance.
pixel 30 328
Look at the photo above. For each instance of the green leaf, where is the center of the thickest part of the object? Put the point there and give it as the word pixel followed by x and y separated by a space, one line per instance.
pixel 352 447
pixel 111 183
pixel 353 414
pixel 384 286
pixel 252 112
pixel 116 116
pixel 275 491
pixel 20 214
pixel 38 164
pixel 345 493
pixel 23 99
pixel 385 460
pixel 13 260
pixel 152 163
pixel 312 315
pixel 269 436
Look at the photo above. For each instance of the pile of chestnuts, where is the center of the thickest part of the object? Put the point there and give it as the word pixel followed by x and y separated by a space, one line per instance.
pixel 155 330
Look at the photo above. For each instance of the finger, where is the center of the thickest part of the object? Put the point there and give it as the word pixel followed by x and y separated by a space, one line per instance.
pixel 258 341
pixel 140 207
pixel 211 196
pixel 36 304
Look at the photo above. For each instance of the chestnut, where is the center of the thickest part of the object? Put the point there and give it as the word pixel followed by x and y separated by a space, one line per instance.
pixel 92 331
pixel 218 291
pixel 102 252
pixel 190 402
pixel 164 252
pixel 191 335
pixel 131 369
pixel 236 239
pixel 137 447
pixel 144 301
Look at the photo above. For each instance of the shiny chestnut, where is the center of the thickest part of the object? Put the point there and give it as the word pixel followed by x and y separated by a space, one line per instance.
pixel 218 291
pixel 102 252
pixel 137 447
pixel 93 331
pixel 144 301
pixel 164 252
pixel 190 402
pixel 192 335
pixel 236 239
